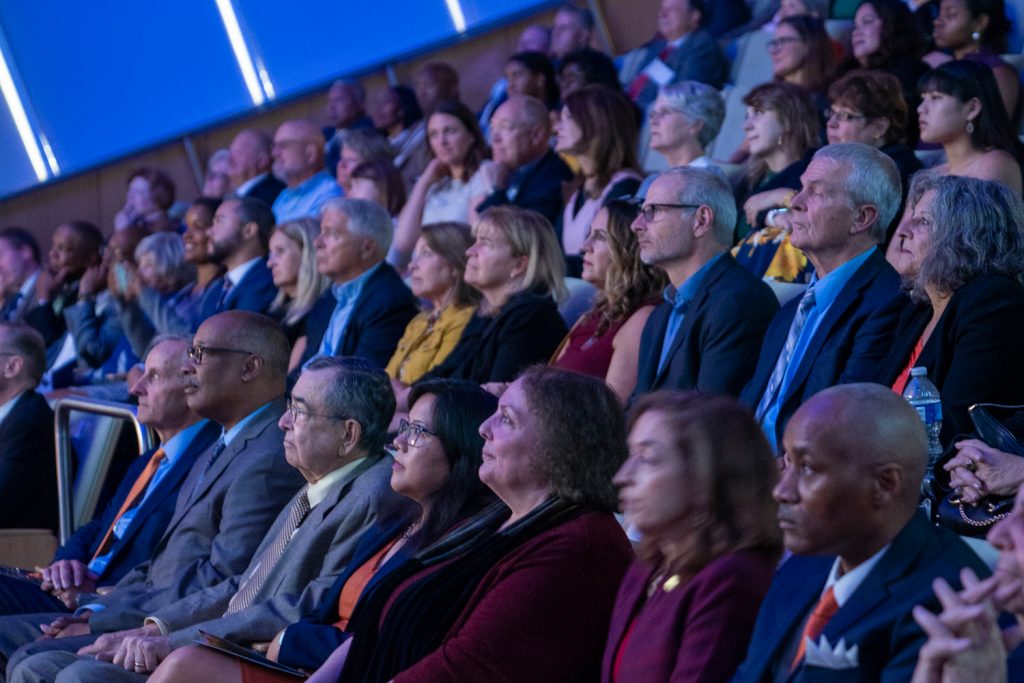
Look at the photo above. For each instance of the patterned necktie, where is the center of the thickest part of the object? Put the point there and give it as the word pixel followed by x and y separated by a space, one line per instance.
pixel 251 586
pixel 218 448
pixel 636 87
pixel 775 381
pixel 134 497
pixel 10 307
pixel 823 611
pixel 225 290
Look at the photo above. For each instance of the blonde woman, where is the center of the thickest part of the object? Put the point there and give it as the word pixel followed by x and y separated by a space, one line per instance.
pixel 292 263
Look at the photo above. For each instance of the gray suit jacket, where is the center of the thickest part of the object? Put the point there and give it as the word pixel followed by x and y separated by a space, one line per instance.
pixel 312 560
pixel 220 518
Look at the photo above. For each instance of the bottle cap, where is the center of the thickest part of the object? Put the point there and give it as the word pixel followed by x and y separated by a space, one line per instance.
pixel 919 371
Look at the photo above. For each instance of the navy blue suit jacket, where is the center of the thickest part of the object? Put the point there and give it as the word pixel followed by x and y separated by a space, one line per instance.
pixel 254 292
pixel 384 308
pixel 849 345
pixel 28 470
pixel 150 521
pixel 716 347
pixel 877 617
pixel 538 187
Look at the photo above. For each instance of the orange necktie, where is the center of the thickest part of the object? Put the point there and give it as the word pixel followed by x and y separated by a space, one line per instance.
pixel 133 498
pixel 823 611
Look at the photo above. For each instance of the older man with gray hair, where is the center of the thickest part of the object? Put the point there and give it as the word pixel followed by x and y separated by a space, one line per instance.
pixel 706 333
pixel 840 330
pixel 365 311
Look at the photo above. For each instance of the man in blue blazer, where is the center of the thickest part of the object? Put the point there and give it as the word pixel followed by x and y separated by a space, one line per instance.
pixel 841 328
pixel 103 550
pixel 839 609
pixel 706 334
pixel 239 238
pixel 366 309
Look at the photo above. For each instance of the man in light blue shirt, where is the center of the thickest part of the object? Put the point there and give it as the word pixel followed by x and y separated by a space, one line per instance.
pixel 298 153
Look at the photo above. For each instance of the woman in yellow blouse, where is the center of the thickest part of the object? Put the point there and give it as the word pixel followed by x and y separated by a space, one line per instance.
pixel 436 269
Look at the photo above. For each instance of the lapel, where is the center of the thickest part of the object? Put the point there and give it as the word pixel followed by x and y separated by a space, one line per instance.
pixel 655 332
pixel 848 296
pixel 793 600
pixel 345 345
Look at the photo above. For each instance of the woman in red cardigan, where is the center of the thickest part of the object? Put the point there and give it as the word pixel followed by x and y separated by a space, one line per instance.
pixel 698 485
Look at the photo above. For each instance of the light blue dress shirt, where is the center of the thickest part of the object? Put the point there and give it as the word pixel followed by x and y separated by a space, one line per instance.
pixel 679 300
pixel 346 294
pixel 306 198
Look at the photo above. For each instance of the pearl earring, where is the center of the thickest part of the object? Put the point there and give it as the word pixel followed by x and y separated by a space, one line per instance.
pixel 970 127
pixel 976 37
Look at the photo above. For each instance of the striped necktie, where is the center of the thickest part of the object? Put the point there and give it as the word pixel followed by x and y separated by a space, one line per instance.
pixel 775 381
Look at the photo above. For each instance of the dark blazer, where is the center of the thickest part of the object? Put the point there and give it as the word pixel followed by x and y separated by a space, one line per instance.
pixel 254 292
pixel 527 330
pixel 973 355
pixel 697 632
pixel 849 345
pixel 28 470
pixel 150 520
pixel 266 190
pixel 877 617
pixel 384 308
pixel 699 58
pixel 716 347
pixel 539 187
pixel 48 318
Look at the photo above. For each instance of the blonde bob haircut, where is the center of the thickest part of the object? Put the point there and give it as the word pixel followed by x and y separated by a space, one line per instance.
pixel 531 235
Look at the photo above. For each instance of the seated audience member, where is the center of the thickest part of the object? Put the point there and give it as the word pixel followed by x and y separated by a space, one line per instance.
pixel 102 551
pixel 685 118
pixel 572 29
pixel 436 276
pixel 802 55
pixel 28 475
pixel 299 161
pixel 150 195
pixel 683 52
pixel 586 66
pixel 433 83
pixel 358 146
pixel 292 263
pixel 345 111
pixel 687 606
pixel 249 161
pixel 965 643
pixel 842 326
pixel 554 563
pixel 976 30
pixel 961 255
pixel 886 39
pixel 960 110
pixel 781 133
pixel 20 260
pixel 867 106
pixel 598 128
pixel 437 455
pixel 707 332
pixel 395 113
pixel 235 377
pixel 604 341
pixel 526 172
pixel 862 552
pixel 238 240
pixel 335 428
pixel 367 306
pixel 161 268
pixel 516 265
pixel 534 38
pixel 530 74
pixel 452 184
pixel 75 247
pixel 379 181
pixel 217 181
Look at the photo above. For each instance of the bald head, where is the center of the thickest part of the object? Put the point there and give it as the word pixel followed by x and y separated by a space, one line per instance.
pixel 520 129
pixel 298 151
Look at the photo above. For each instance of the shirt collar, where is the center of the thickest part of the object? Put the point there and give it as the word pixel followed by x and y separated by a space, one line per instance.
pixel 28 287
pixel 679 298
pixel 177 444
pixel 238 272
pixel 350 289
pixel 229 435
pixel 8 406
pixel 249 184
pixel 843 587
pixel 318 491
pixel 826 289
pixel 309 183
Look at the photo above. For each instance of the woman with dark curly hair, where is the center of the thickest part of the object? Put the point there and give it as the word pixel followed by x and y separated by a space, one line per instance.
pixel 604 341
pixel 531 73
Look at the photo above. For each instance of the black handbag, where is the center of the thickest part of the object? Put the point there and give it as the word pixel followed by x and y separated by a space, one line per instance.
pixel 964 518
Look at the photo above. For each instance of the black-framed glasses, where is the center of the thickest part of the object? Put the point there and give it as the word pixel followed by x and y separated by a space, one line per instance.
pixel 413 430
pixel 197 352
pixel 295 412
pixel 651 211
pixel 843 116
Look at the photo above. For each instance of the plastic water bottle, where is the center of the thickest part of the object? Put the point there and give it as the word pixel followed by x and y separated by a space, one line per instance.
pixel 923 395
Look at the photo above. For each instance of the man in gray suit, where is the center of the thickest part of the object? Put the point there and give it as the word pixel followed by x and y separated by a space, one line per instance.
pixel 235 377
pixel 339 406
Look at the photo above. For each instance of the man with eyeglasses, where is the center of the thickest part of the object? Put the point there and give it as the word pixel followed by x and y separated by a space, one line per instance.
pixel 706 333
pixel 335 429
pixel 228 501
pixel 298 153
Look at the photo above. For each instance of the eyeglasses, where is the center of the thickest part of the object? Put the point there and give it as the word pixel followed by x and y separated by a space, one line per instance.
pixel 295 412
pixel 776 43
pixel 197 352
pixel 414 431
pixel 650 211
pixel 843 116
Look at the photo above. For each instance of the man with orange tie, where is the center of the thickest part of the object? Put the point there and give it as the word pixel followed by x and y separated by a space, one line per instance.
pixel 102 551
pixel 863 555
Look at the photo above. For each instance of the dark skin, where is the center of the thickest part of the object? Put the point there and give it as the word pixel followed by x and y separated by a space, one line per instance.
pixel 68 259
